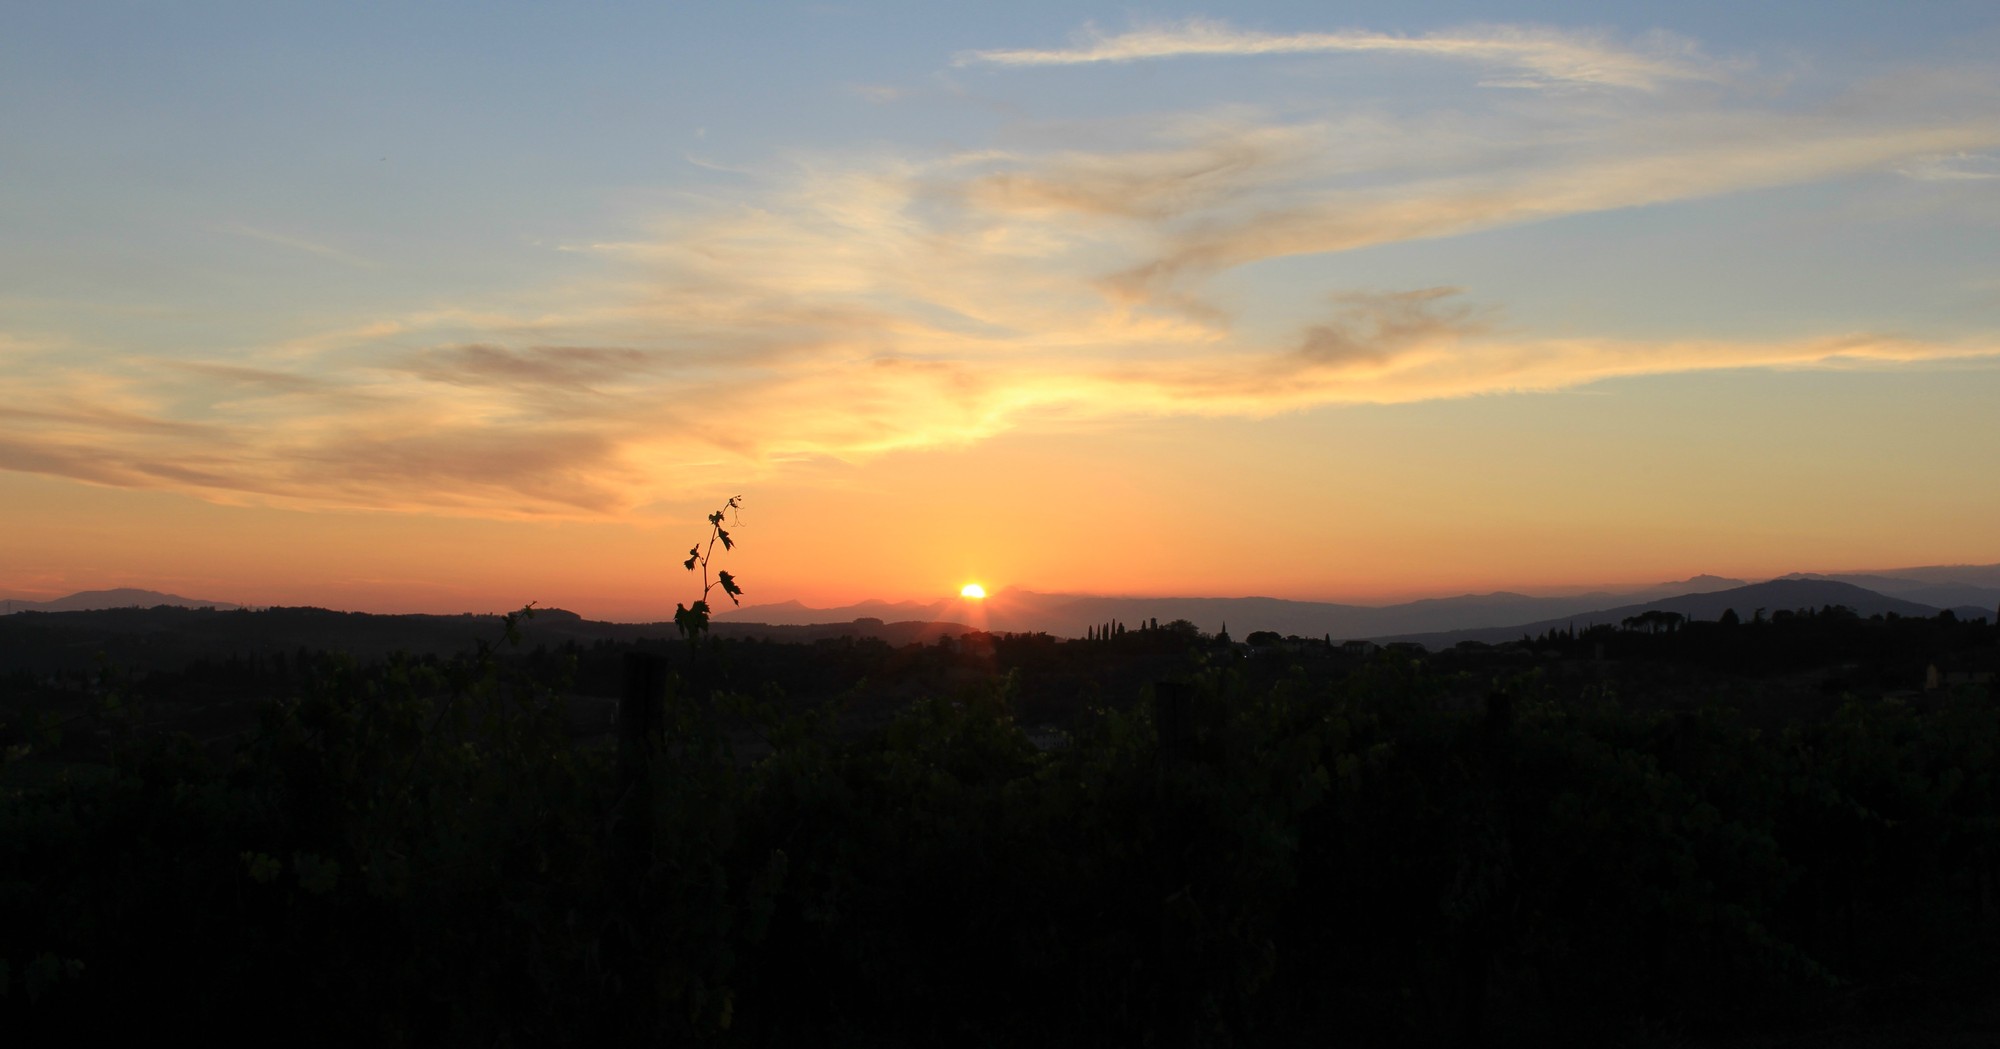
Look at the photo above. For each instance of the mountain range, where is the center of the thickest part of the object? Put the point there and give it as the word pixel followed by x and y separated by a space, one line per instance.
pixel 1970 591
pixel 96 600
pixel 1787 594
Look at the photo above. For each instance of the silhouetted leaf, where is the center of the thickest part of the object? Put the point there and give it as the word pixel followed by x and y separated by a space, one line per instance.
pixel 729 586
pixel 691 621
pixel 727 543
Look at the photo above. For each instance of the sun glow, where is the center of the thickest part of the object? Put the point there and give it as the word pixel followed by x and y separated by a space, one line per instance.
pixel 973 592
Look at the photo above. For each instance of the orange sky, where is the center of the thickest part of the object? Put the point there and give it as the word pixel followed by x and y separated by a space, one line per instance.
pixel 1141 306
pixel 1365 504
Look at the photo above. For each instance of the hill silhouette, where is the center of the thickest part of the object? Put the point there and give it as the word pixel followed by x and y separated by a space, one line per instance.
pixel 1788 594
pixel 1967 589
pixel 1943 592
pixel 1485 617
pixel 167 636
pixel 1073 615
pixel 122 597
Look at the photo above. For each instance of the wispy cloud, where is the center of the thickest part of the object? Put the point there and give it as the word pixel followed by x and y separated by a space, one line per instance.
pixel 1644 161
pixel 256 379
pixel 880 94
pixel 850 305
pixel 244 229
pixel 1952 167
pixel 1536 56
pixel 575 368
pixel 1417 346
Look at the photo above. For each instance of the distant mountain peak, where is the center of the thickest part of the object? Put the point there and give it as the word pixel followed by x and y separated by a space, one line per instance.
pixel 793 605
pixel 119 597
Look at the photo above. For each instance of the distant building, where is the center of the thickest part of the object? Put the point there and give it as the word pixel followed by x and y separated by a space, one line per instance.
pixel 1979 668
pixel 1360 648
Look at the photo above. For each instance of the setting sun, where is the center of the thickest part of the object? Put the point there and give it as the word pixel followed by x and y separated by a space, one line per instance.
pixel 950 341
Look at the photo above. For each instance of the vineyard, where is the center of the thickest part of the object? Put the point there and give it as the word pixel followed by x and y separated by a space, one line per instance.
pixel 1241 852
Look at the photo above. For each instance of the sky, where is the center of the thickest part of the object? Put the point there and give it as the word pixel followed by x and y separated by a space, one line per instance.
pixel 456 306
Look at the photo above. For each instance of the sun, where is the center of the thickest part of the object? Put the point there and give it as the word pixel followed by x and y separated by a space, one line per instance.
pixel 972 592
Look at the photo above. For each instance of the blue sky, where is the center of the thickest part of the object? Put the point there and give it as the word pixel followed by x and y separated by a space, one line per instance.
pixel 590 263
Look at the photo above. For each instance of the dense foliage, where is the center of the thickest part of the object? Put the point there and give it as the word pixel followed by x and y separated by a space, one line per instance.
pixel 1246 852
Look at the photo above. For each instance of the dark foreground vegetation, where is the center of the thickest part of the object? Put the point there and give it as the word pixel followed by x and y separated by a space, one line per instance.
pixel 1667 834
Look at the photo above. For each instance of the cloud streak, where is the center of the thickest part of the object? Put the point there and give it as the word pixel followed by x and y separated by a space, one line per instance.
pixel 1645 163
pixel 244 229
pixel 1953 167
pixel 1536 57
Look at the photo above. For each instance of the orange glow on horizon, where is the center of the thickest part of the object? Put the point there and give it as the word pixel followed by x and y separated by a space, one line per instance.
pixel 1420 501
